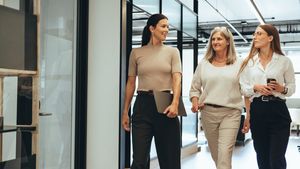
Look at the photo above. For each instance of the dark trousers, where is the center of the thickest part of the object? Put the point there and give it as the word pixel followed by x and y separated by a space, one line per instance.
pixel 148 123
pixel 270 128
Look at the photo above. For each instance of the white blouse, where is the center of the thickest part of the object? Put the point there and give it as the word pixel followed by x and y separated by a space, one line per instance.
pixel 280 68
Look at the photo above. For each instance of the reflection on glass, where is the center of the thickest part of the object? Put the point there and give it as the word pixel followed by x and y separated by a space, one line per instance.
pixel 188 3
pixel 57 60
pixel 10 96
pixel 189 22
pixel 151 7
pixel 172 10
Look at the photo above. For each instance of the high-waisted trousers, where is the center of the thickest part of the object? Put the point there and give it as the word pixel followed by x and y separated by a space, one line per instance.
pixel 270 128
pixel 148 123
pixel 221 126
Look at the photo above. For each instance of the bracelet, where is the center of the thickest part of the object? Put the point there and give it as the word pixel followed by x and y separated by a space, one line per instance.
pixel 254 90
pixel 285 91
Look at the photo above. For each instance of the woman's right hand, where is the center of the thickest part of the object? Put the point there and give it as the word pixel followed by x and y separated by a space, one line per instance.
pixel 195 105
pixel 125 122
pixel 263 89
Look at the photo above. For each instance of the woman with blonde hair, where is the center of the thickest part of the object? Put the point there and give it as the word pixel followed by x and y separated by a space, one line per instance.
pixel 216 92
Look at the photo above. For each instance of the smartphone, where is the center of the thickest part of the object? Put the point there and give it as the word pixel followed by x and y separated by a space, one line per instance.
pixel 270 80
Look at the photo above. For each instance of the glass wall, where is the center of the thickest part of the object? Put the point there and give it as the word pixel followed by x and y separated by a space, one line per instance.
pixel 188 3
pixel 293 102
pixel 172 9
pixel 294 56
pixel 189 123
pixel 189 22
pixel 189 28
pixel 57 82
pixel 151 7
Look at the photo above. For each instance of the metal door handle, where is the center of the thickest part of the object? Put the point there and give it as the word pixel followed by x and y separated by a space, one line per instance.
pixel 45 114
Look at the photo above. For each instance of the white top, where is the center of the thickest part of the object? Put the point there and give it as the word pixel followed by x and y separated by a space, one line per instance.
pixel 280 68
pixel 217 85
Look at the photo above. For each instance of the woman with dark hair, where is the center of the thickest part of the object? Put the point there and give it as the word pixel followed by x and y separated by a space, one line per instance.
pixel 158 68
pixel 215 90
pixel 267 78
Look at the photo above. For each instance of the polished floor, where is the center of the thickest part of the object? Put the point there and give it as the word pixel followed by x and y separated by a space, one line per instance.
pixel 243 157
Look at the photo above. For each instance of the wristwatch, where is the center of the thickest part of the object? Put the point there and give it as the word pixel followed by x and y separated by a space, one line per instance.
pixel 285 91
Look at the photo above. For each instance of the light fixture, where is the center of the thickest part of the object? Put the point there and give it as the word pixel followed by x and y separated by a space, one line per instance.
pixel 227 21
pixel 254 8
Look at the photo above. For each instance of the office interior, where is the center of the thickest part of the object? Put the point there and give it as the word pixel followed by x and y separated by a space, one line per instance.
pixel 64 67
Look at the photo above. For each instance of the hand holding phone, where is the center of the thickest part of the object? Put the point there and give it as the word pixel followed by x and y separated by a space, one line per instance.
pixel 271 81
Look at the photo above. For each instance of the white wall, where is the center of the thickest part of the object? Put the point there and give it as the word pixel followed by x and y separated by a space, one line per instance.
pixel 103 84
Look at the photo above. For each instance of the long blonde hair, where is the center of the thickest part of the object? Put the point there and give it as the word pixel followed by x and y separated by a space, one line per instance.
pixel 275 44
pixel 231 53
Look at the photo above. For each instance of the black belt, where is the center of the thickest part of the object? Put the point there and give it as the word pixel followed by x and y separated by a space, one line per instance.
pixel 269 99
pixel 150 92
pixel 213 105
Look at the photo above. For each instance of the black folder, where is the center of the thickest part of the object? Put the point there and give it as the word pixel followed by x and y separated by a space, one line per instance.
pixel 164 99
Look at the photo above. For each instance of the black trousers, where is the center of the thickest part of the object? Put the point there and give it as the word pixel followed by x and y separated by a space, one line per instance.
pixel 148 123
pixel 270 128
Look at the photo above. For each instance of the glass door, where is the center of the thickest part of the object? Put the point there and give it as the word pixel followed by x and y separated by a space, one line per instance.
pixel 57 81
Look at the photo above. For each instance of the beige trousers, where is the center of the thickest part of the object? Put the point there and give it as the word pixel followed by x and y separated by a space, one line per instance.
pixel 221 126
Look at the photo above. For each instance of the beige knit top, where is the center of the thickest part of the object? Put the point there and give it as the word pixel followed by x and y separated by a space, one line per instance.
pixel 154 66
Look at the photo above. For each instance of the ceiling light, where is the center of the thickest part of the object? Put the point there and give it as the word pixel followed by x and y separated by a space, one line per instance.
pixel 256 11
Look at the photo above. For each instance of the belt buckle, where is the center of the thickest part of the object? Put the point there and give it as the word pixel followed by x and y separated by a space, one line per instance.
pixel 265 98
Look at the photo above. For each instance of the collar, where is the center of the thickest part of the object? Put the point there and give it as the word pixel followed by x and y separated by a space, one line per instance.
pixel 275 57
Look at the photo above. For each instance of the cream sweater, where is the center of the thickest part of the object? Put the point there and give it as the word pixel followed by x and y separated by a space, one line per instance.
pixel 217 85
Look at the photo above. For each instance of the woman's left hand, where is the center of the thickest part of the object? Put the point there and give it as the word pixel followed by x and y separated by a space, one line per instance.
pixel 276 86
pixel 246 125
pixel 171 111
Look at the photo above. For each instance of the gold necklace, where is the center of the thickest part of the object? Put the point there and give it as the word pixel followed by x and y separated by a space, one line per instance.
pixel 222 61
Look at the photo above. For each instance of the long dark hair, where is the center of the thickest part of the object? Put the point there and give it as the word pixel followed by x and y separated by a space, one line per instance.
pixel 152 21
pixel 275 44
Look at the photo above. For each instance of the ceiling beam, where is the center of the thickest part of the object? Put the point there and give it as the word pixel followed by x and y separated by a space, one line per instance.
pixel 227 21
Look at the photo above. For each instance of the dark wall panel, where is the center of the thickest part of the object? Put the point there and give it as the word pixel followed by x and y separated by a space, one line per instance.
pixel 18 39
